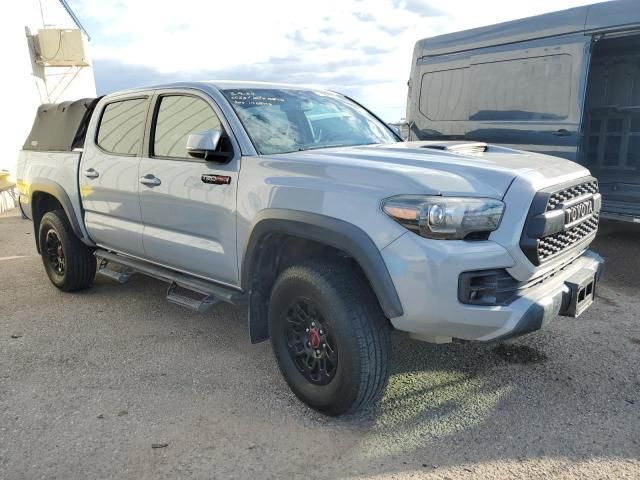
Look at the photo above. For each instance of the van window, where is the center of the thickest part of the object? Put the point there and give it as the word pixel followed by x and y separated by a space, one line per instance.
pixel 537 88
pixel 122 126
pixel 443 95
pixel 178 117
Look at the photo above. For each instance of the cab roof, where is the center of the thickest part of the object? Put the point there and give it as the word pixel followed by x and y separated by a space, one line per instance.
pixel 220 85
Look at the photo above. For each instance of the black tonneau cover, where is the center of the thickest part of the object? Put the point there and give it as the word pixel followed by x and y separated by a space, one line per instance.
pixel 61 127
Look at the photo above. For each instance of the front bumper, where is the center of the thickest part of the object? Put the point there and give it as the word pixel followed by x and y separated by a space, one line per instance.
pixel 425 274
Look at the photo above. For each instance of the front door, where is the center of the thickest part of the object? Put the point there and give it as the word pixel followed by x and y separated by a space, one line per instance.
pixel 109 174
pixel 189 220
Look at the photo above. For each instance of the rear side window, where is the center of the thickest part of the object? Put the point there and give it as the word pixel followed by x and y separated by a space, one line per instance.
pixel 178 117
pixel 537 88
pixel 122 126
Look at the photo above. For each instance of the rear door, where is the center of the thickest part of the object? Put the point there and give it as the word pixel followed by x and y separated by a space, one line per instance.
pixel 530 95
pixel 109 173
pixel 189 222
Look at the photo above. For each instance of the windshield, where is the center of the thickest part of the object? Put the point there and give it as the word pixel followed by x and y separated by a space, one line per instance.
pixel 282 121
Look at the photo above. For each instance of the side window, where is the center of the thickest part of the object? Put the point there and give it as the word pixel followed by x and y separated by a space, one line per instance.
pixel 179 116
pixel 537 88
pixel 443 95
pixel 122 126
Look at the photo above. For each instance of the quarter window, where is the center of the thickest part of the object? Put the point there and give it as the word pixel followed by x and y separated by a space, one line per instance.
pixel 122 126
pixel 443 94
pixel 178 117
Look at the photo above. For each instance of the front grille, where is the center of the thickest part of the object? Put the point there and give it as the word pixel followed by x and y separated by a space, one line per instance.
pixel 570 193
pixel 545 234
pixel 559 242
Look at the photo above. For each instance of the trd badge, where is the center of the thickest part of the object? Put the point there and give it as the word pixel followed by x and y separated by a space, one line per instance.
pixel 216 179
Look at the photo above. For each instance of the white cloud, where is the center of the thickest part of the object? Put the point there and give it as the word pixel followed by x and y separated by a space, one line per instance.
pixel 360 47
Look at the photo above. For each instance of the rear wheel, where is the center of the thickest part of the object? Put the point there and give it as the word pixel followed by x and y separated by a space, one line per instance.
pixel 69 263
pixel 330 337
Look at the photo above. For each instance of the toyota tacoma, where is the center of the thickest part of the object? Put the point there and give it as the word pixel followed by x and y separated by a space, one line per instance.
pixel 305 208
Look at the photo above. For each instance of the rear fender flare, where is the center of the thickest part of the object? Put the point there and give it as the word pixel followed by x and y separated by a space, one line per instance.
pixel 44 185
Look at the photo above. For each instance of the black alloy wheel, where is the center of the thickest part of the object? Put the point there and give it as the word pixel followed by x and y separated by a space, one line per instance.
pixel 329 335
pixel 69 263
pixel 310 344
pixel 55 252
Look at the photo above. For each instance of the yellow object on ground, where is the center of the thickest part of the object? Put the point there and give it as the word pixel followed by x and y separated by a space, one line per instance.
pixel 7 191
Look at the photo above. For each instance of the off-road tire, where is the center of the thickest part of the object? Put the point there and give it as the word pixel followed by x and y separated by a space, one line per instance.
pixel 79 268
pixel 356 324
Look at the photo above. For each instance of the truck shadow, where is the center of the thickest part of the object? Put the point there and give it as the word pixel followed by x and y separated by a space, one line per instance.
pixel 475 403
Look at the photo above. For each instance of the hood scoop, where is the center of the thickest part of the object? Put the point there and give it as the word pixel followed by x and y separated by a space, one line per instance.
pixel 464 148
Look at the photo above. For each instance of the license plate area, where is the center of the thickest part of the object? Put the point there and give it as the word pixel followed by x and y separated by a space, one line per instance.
pixel 582 290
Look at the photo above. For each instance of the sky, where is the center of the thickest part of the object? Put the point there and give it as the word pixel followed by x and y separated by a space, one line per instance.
pixel 357 47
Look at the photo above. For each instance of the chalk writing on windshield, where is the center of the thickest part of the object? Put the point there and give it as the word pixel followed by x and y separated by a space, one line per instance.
pixel 249 99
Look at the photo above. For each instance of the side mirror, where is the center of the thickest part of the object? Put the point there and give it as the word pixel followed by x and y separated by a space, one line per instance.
pixel 207 145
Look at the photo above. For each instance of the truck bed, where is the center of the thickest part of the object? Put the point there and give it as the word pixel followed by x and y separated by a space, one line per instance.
pixel 56 169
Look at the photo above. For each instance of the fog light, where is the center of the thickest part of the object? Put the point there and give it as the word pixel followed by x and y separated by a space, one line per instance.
pixel 487 287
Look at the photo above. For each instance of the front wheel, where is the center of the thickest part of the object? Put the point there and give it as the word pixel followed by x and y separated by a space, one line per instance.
pixel 69 263
pixel 330 337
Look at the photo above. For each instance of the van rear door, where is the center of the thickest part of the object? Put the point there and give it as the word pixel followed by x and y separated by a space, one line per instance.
pixel 612 123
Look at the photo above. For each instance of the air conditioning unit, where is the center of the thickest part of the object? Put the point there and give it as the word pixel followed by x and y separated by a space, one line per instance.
pixel 60 48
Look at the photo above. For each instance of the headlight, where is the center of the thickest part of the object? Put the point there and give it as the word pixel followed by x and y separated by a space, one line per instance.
pixel 451 218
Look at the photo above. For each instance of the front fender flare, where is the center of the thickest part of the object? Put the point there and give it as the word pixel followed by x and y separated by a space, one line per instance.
pixel 328 231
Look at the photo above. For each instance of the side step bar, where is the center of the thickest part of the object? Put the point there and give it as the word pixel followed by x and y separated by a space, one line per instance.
pixel 210 292
pixel 121 276
pixel 199 305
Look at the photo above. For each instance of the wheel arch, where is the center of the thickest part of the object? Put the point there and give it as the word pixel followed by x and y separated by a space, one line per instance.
pixel 270 231
pixel 47 195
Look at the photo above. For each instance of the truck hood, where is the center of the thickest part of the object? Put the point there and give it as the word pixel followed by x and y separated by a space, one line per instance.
pixel 424 167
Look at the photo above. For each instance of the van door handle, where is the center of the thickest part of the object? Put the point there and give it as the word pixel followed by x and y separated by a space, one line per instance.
pixel 91 173
pixel 150 180
pixel 563 132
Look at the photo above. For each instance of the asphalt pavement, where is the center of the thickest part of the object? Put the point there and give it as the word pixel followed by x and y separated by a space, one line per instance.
pixel 114 382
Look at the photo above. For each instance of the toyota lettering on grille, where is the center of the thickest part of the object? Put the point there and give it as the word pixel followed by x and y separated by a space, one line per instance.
pixel 578 212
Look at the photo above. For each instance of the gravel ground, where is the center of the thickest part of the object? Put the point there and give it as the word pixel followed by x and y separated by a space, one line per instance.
pixel 115 382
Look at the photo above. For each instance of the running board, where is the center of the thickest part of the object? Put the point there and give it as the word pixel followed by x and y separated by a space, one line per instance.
pixel 199 305
pixel 121 276
pixel 210 292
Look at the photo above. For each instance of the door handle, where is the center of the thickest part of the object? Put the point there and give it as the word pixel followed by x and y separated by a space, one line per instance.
pixel 91 173
pixel 563 132
pixel 150 180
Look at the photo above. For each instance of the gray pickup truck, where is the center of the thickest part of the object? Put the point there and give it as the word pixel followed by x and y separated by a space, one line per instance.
pixel 306 208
